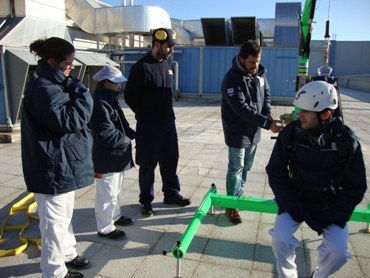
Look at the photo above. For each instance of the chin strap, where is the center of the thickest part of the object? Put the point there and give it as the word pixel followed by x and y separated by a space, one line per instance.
pixel 332 130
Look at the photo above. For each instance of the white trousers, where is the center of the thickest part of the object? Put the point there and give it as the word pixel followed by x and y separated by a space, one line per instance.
pixel 333 253
pixel 58 243
pixel 107 203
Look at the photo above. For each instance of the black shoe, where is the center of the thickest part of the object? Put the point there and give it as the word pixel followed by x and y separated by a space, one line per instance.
pixel 78 263
pixel 178 200
pixel 72 274
pixel 147 210
pixel 124 221
pixel 116 234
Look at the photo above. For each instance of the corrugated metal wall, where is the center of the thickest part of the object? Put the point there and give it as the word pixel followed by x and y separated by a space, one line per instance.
pixel 216 62
pixel 189 69
pixel 282 68
pixel 346 57
pixel 201 69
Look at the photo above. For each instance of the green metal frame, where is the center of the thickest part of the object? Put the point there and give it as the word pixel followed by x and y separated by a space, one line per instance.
pixel 241 203
pixel 260 204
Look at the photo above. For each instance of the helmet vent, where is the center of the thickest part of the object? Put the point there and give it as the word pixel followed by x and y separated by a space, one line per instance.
pixel 316 103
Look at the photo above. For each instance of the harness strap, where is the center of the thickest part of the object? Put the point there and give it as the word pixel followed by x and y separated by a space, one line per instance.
pixel 332 131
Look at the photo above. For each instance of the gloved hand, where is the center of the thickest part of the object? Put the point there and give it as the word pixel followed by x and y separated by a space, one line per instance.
pixel 73 86
pixel 318 223
pixel 299 214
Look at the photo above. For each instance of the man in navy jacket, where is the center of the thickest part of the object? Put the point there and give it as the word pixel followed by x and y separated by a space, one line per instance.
pixel 245 108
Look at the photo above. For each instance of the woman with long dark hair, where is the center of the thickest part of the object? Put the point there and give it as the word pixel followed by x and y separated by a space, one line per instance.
pixel 56 151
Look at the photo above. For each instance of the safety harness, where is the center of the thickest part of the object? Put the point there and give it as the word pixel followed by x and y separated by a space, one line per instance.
pixel 332 131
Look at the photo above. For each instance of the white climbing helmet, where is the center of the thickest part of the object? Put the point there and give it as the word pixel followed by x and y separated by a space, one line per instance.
pixel 316 96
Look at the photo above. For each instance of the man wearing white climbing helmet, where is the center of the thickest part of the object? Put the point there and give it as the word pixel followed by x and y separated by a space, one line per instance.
pixel 317 96
pixel 317 174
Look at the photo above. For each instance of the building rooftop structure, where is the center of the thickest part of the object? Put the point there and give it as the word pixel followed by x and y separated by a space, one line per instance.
pixel 219 248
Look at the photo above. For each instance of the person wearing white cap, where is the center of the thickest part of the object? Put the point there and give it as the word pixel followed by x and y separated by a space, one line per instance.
pixel 112 152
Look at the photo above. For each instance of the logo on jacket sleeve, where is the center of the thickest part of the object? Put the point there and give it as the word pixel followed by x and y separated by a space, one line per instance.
pixel 261 80
pixel 230 92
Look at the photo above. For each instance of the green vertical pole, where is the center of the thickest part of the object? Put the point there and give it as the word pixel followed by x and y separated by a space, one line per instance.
pixel 305 41
pixel 180 248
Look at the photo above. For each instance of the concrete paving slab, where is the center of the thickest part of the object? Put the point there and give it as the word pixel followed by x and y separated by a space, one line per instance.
pixel 219 248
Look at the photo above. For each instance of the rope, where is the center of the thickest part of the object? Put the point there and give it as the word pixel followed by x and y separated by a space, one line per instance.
pixel 28 205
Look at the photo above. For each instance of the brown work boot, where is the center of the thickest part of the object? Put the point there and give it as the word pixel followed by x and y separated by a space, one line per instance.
pixel 233 215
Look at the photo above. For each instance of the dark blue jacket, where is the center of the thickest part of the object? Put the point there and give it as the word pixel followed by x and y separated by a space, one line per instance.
pixel 112 151
pixel 246 101
pixel 302 173
pixel 56 140
pixel 148 91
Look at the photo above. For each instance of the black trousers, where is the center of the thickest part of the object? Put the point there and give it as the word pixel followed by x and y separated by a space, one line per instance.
pixel 157 143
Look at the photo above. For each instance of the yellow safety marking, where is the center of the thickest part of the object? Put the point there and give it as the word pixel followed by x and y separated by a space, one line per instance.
pixel 27 204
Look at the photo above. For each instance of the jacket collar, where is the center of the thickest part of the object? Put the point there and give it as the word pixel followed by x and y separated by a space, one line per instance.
pixel 238 66
pixel 107 93
pixel 53 74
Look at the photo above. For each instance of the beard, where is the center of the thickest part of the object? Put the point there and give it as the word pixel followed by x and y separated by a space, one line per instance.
pixel 163 55
pixel 251 71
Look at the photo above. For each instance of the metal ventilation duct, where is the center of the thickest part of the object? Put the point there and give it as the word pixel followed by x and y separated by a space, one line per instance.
pixel 243 29
pixel 94 19
pixel 216 31
pixel 286 24
pixel 26 20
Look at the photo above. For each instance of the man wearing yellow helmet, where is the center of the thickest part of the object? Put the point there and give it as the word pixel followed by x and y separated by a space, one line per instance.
pixel 317 174
pixel 148 93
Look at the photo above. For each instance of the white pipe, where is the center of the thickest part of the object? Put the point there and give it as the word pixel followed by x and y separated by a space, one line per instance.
pixel 176 63
pixel 131 2
pixel 200 88
pixel 5 86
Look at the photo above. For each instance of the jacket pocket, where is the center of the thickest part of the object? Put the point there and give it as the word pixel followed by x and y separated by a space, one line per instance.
pixel 77 148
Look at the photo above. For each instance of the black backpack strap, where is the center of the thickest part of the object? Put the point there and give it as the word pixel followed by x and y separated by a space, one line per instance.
pixel 334 131
pixel 297 135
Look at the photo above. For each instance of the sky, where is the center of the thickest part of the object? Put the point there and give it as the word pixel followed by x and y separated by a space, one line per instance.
pixel 349 19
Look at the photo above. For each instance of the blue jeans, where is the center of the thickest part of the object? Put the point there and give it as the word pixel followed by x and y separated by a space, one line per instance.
pixel 240 163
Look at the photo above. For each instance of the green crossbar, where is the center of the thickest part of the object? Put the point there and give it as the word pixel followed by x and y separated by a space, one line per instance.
pixel 245 203
pixel 241 203
pixel 269 206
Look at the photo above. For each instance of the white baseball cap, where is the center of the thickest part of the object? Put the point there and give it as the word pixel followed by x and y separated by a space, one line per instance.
pixel 110 73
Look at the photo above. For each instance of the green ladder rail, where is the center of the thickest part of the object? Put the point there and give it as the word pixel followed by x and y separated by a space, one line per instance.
pixel 241 203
